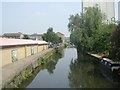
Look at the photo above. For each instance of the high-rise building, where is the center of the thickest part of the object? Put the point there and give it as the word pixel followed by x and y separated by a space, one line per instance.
pixel 119 10
pixel 107 7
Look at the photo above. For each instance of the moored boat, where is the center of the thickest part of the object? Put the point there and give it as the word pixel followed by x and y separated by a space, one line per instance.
pixel 111 65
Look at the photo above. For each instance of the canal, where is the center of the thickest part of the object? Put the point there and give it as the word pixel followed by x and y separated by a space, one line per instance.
pixel 71 70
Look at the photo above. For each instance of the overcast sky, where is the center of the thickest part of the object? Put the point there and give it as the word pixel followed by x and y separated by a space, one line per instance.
pixel 37 17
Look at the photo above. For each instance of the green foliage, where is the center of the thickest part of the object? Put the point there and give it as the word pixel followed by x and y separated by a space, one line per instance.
pixel 51 36
pixel 116 43
pixel 26 36
pixel 89 30
pixel 102 39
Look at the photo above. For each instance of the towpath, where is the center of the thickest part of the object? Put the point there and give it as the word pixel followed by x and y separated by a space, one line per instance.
pixel 13 69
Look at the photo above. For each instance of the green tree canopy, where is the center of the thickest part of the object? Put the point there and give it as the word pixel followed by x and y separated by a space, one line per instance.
pixel 51 36
pixel 116 43
pixel 89 30
pixel 25 36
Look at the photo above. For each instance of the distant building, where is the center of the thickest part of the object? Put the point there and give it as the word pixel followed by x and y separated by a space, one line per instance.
pixel 67 39
pixel 106 6
pixel 18 35
pixel 36 36
pixel 119 11
pixel 61 36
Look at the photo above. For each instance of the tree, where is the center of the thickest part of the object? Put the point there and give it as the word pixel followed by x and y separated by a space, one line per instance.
pixel 89 32
pixel 25 36
pixel 116 43
pixel 51 36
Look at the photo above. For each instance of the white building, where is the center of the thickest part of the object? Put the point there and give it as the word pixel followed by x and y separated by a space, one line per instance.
pixel 119 10
pixel 107 7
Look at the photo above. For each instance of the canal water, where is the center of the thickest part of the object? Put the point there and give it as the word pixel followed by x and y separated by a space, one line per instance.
pixel 72 70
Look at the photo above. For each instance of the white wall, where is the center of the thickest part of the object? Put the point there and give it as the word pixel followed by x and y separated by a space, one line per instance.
pixel 119 10
pixel 107 7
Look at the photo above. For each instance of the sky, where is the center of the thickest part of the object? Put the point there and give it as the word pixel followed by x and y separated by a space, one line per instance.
pixel 37 17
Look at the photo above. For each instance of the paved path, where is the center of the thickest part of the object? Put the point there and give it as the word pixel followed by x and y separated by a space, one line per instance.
pixel 9 71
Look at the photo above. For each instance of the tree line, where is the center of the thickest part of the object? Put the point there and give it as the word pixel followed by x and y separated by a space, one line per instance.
pixel 91 33
pixel 50 36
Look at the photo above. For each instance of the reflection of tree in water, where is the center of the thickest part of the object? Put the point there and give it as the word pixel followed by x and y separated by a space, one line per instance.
pixel 30 79
pixel 85 73
pixel 50 66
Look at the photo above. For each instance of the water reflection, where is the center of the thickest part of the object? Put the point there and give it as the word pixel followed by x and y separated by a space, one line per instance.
pixel 85 73
pixel 55 72
pixel 65 71
pixel 50 66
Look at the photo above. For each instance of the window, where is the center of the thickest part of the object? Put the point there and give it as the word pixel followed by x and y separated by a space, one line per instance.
pixel 14 55
pixel 32 51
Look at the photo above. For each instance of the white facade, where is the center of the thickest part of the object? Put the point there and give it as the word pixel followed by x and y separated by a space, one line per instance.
pixel 107 7
pixel 119 10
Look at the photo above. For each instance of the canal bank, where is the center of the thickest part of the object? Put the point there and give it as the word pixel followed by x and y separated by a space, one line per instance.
pixel 67 70
pixel 71 70
pixel 13 74
pixel 113 66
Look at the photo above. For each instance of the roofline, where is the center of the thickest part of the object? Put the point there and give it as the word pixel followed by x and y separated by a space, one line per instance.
pixel 18 45
pixel 23 44
pixel 32 42
pixel 60 33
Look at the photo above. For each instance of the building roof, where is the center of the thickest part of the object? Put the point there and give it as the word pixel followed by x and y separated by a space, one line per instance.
pixel 35 34
pixel 14 42
pixel 60 33
pixel 12 34
pixel 42 42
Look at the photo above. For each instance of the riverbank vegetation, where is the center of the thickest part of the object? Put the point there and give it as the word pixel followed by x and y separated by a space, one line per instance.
pixel 115 52
pixel 91 33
